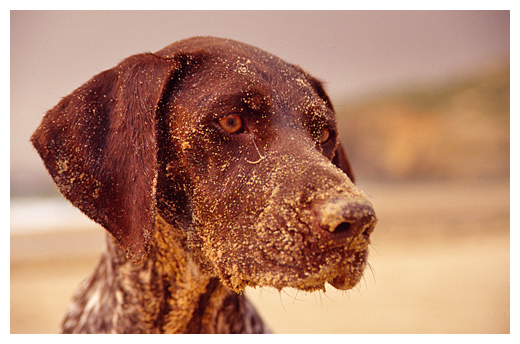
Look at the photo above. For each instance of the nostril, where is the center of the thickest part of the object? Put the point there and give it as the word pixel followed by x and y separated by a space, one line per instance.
pixel 349 230
pixel 343 227
pixel 367 231
pixel 344 230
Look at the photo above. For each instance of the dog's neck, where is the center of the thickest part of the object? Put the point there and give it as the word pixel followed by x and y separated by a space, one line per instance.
pixel 165 293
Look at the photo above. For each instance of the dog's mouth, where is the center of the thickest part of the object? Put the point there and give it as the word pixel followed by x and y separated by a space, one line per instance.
pixel 350 277
pixel 343 275
pixel 297 257
pixel 301 265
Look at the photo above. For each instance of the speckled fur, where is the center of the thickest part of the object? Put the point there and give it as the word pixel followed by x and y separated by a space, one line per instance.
pixel 164 293
pixel 196 213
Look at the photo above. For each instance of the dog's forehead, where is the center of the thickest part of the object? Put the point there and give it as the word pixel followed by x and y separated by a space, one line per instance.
pixel 258 79
pixel 224 48
pixel 225 70
pixel 232 60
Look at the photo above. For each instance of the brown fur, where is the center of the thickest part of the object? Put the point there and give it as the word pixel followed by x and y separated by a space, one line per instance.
pixel 195 211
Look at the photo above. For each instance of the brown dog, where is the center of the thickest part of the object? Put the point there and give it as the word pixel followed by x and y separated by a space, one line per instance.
pixel 214 166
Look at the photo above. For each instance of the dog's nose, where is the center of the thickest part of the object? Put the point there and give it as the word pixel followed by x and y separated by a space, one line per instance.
pixel 345 217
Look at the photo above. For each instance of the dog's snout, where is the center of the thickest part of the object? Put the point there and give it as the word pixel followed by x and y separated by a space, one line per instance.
pixel 346 218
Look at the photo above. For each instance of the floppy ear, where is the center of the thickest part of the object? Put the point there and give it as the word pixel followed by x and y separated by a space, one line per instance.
pixel 99 145
pixel 340 160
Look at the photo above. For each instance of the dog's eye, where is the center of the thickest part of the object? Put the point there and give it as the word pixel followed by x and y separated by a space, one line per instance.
pixel 231 123
pixel 325 135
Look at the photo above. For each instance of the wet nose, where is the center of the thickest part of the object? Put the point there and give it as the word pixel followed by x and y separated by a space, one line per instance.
pixel 345 217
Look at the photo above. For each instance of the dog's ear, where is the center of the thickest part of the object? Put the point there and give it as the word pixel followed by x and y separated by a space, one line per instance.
pixel 99 145
pixel 340 159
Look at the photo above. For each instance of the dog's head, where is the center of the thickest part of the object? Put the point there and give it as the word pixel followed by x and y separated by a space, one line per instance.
pixel 233 145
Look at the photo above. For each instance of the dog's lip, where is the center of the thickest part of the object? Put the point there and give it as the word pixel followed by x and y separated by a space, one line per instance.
pixel 338 282
pixel 342 281
pixel 342 275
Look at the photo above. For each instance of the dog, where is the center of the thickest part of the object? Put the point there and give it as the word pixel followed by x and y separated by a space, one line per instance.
pixel 213 165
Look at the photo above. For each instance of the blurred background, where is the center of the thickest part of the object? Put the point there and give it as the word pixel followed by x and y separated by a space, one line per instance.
pixel 422 99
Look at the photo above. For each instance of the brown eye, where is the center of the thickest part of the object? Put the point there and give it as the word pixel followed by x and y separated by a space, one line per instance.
pixel 324 135
pixel 231 123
